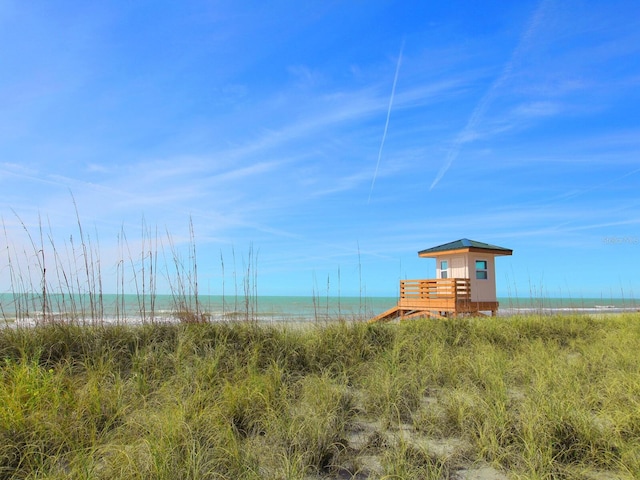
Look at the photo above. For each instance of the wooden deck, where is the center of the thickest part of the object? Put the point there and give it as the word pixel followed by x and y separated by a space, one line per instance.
pixel 440 298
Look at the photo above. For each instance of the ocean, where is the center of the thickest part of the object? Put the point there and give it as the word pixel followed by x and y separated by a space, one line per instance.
pixel 26 309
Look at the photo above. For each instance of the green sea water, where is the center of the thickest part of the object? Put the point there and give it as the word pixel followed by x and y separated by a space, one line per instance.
pixel 164 307
pixel 137 308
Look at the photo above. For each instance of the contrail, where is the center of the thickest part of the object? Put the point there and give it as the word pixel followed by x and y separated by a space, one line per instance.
pixel 467 133
pixel 386 124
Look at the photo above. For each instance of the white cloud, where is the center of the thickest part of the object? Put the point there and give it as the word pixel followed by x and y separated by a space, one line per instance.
pixel 538 109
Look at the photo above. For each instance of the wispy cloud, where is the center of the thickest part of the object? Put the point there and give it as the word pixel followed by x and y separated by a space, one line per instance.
pixel 342 184
pixel 538 109
pixel 386 123
pixel 467 133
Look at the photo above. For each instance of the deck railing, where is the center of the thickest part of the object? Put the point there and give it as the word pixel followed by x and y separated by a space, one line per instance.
pixel 436 289
pixel 438 298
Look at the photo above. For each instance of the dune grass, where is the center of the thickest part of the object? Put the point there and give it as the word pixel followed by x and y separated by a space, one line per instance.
pixel 537 397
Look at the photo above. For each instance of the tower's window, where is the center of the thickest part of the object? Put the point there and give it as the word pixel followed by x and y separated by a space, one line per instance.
pixel 481 270
pixel 444 267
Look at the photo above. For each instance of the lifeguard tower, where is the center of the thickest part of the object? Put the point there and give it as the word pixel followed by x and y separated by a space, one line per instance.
pixel 465 283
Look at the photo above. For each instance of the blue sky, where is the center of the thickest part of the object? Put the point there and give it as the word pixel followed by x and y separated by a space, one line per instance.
pixel 335 139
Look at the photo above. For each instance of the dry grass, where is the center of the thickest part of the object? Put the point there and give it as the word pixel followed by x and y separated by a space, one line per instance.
pixel 531 397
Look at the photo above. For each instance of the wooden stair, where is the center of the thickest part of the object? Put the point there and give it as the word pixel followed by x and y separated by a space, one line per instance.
pixel 403 313
pixel 387 315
